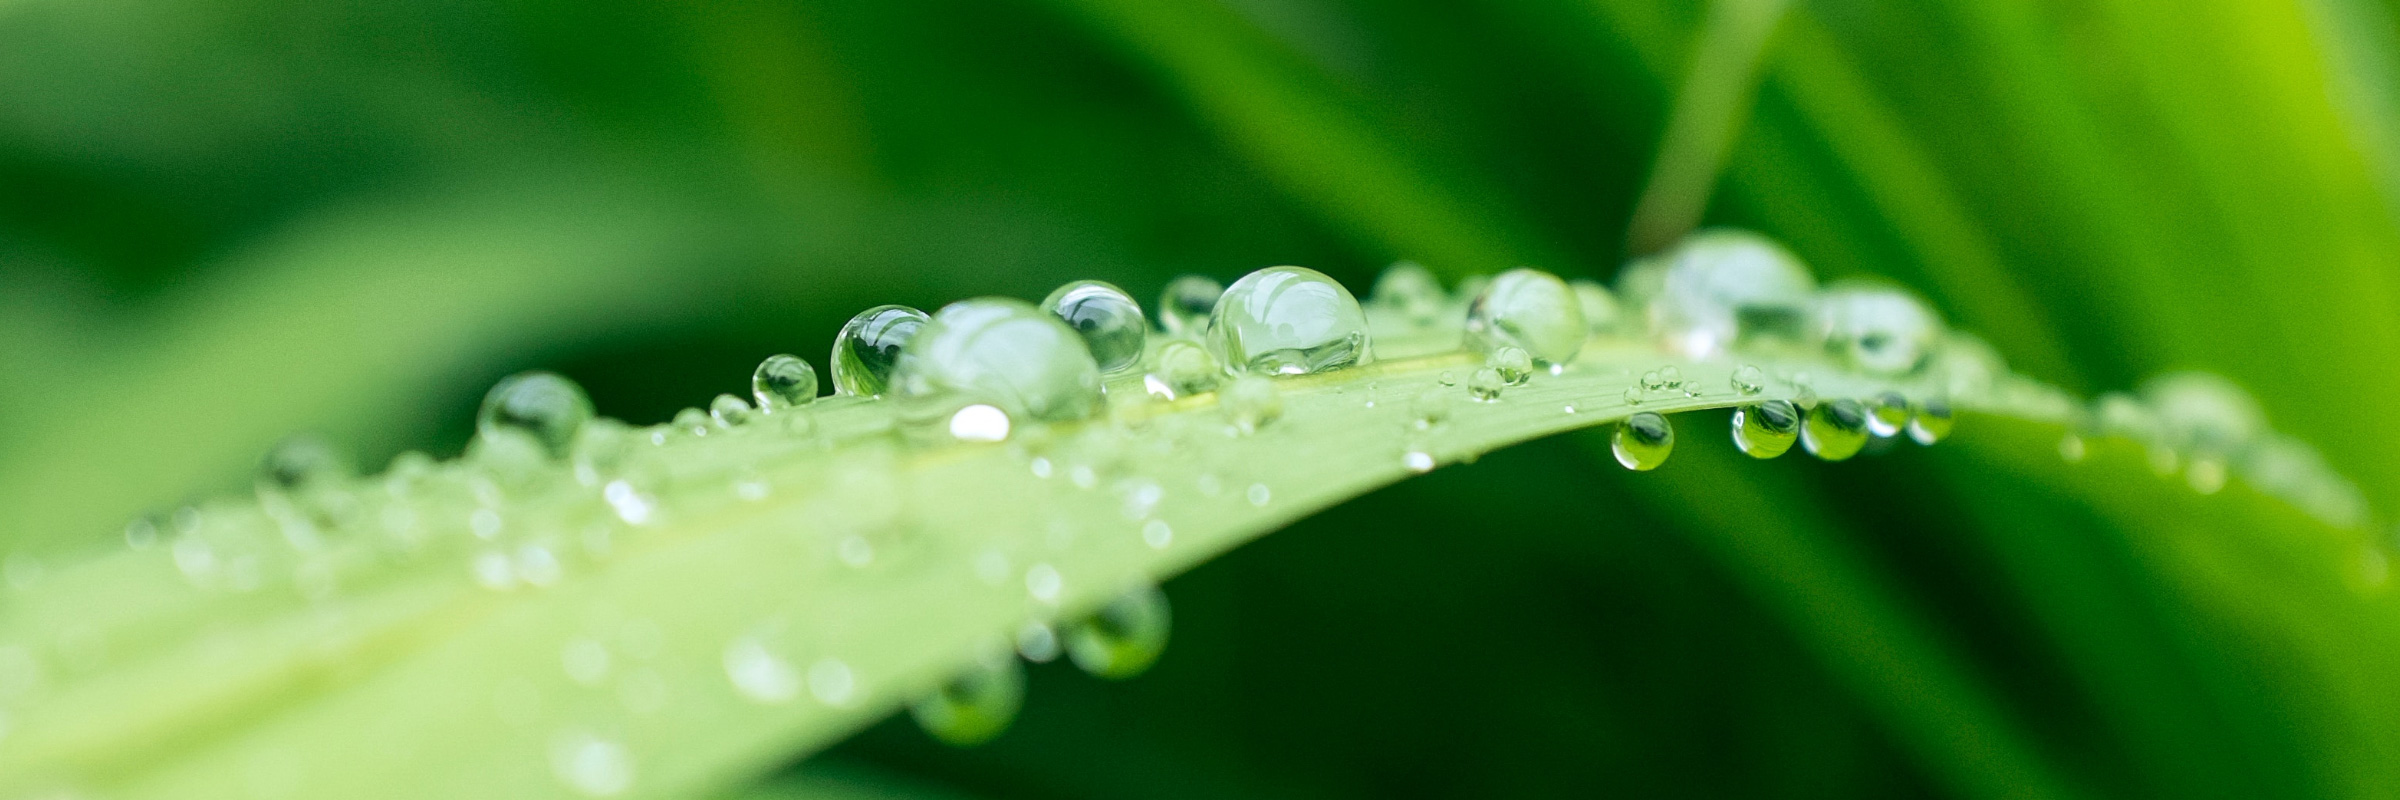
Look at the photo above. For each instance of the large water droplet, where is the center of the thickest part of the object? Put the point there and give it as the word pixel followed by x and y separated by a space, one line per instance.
pixel 1124 637
pixel 998 352
pixel 1932 421
pixel 868 348
pixel 1409 290
pixel 541 405
pixel 1718 288
pixel 1877 329
pixel 1532 310
pixel 1835 429
pixel 1766 430
pixel 1107 318
pixel 1289 321
pixel 1185 305
pixel 783 381
pixel 1643 441
pixel 974 707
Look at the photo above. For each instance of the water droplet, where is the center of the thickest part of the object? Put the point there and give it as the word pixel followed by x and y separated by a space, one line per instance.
pixel 1877 329
pixel 1633 395
pixel 1251 402
pixel 1107 318
pixel 591 765
pixel 1967 365
pixel 1513 364
pixel 541 405
pixel 1766 430
pixel 758 673
pixel 728 411
pixel 1185 368
pixel 1835 429
pixel 832 682
pixel 869 346
pixel 1532 310
pixel 1289 321
pixel 1417 461
pixel 1601 314
pixel 1184 306
pixel 2203 412
pixel 1124 637
pixel 1932 422
pixel 538 566
pixel 1718 288
pixel 854 551
pixel 1652 381
pixel 585 660
pixel 1157 534
pixel 1037 642
pixel 1643 441
pixel 629 504
pixel 1887 413
pixel 301 483
pixel 1485 384
pixel 1259 495
pixel 692 422
pixel 1411 291
pixel 1670 376
pixel 979 423
pixel 141 533
pixel 1000 352
pixel 976 706
pixel 1748 379
pixel 1429 409
pixel 1447 378
pixel 783 381
pixel 1044 583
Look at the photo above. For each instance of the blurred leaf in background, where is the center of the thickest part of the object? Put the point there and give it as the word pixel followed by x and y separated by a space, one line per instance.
pixel 222 221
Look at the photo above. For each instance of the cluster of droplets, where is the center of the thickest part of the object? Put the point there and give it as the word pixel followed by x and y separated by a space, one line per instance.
pixel 2207 429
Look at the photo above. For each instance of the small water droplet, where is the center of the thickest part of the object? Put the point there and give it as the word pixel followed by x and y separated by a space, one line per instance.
pixel 1670 376
pixel 1932 421
pixel 1485 384
pixel 1766 430
pixel 692 422
pixel 1887 414
pixel 979 423
pixel 832 682
pixel 543 406
pixel 629 504
pixel 1447 378
pixel 728 411
pixel 1531 310
pixel 1429 409
pixel 1748 379
pixel 1183 368
pixel 1417 461
pixel 1185 304
pixel 999 352
pixel 975 706
pixel 868 348
pixel 1643 441
pixel 1037 642
pixel 493 571
pixel 1633 395
pixel 1251 402
pixel 1124 637
pixel 586 661
pixel 141 533
pixel 1044 583
pixel 1877 329
pixel 783 381
pixel 1259 495
pixel 1107 318
pixel 1289 321
pixel 1835 430
pixel 758 673
pixel 1514 366
pixel 1157 534
pixel 591 765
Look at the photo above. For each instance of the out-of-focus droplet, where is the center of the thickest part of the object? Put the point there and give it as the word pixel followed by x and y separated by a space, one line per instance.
pixel 975 706
pixel 543 406
pixel 1718 288
pixel 1643 441
pixel 1037 642
pixel 1601 315
pixel 1289 321
pixel 1766 430
pixel 1835 430
pixel 1185 305
pixel 1411 291
pixel 1417 461
pixel 1124 637
pixel 1877 329
pixel 1531 310
pixel 1748 379
pixel 979 423
pixel 729 411
pixel 1485 384
pixel 783 381
pixel 759 674
pixel 692 422
pixel 1887 414
pixel 1429 409
pixel 2204 413
pixel 2072 449
pixel 1107 318
pixel 1251 402
pixel 869 346
pixel 591 765
pixel 999 352
pixel 1513 364
pixel 1932 422
pixel 1185 368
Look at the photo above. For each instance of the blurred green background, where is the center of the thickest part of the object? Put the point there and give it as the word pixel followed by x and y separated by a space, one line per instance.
pixel 222 221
